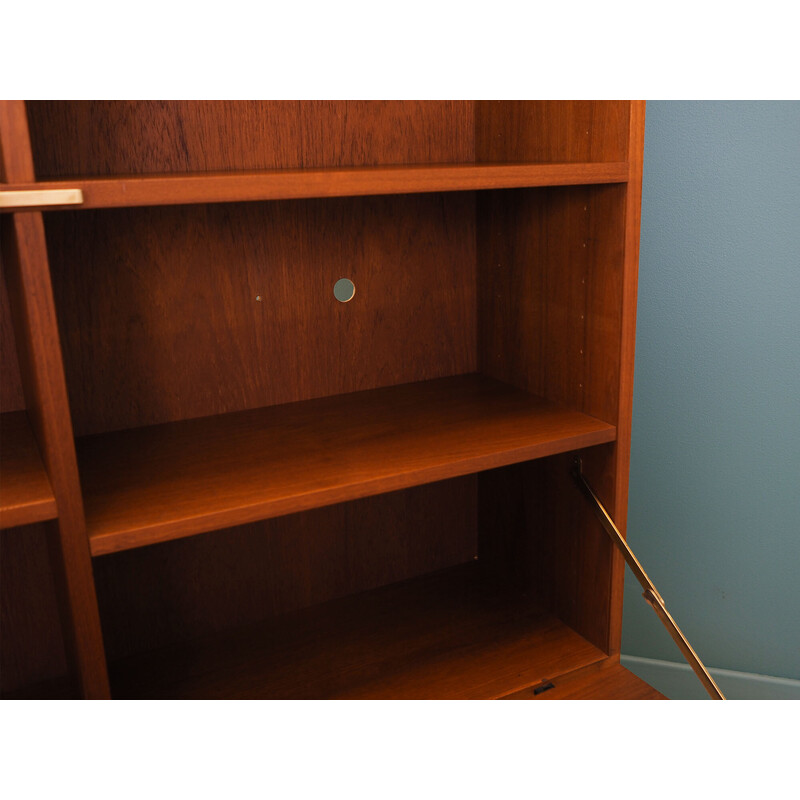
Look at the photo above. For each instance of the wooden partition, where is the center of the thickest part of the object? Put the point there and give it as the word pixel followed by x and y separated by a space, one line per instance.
pixel 270 493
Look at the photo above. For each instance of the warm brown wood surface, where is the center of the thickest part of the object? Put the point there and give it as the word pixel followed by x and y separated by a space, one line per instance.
pixel 24 254
pixel 551 130
pixel 201 586
pixel 201 305
pixel 25 492
pixel 11 396
pixel 601 681
pixel 16 161
pixel 549 320
pixel 32 639
pixel 549 308
pixel 122 137
pixel 198 586
pixel 160 319
pixel 553 269
pixel 156 190
pixel 153 484
pixel 445 636
pixel 617 502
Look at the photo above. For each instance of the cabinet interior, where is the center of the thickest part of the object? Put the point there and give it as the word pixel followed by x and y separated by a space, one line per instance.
pixel 425 524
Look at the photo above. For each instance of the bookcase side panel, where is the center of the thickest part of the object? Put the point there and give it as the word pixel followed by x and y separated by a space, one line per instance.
pixel 551 288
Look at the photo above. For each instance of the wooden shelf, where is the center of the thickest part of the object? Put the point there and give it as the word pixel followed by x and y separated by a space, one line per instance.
pixel 604 680
pixel 498 237
pixel 25 492
pixel 446 636
pixel 227 187
pixel 162 482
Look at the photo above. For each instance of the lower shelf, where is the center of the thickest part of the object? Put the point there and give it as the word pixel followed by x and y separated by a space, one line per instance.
pixel 444 636
pixel 601 681
pixel 25 492
pixel 163 482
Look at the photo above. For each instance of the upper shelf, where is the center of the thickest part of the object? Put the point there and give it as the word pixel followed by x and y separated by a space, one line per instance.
pixel 148 485
pixel 232 187
pixel 25 493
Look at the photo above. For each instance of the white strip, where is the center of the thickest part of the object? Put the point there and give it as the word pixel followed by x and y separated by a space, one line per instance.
pixel 36 198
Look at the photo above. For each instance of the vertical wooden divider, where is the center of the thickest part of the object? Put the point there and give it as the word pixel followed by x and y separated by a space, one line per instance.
pixel 630 277
pixel 546 255
pixel 24 255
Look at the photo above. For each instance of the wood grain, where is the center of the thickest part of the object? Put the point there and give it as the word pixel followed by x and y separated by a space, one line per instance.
pixel 152 484
pixel 26 267
pixel 628 293
pixel 16 161
pixel 160 319
pixel 550 315
pixel 163 190
pixel 185 589
pixel 25 492
pixel 160 324
pixel 532 290
pixel 125 137
pixel 446 636
pixel 604 680
pixel 551 130
pixel 32 645
pixel 11 396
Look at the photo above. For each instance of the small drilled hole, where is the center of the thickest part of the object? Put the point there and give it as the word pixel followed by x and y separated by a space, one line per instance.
pixel 343 290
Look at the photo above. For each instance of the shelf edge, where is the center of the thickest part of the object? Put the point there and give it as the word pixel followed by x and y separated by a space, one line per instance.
pixel 106 543
pixel 188 189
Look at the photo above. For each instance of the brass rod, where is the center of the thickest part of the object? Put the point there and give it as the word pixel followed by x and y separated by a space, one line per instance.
pixel 651 594
pixel 24 200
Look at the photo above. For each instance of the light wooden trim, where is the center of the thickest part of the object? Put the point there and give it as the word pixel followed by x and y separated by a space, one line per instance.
pixel 16 200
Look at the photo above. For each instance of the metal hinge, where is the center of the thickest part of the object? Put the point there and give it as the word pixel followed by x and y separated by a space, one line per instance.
pixel 651 594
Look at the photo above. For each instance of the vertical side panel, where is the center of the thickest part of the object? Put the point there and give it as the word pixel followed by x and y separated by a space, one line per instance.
pixel 630 279
pixel 555 305
pixel 533 263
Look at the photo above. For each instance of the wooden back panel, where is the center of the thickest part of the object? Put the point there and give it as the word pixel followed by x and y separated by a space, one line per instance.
pixel 551 130
pixel 11 396
pixel 160 321
pixel 32 643
pixel 161 318
pixel 174 291
pixel 125 137
pixel 189 588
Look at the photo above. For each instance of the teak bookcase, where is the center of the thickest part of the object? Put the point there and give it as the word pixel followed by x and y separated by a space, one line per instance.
pixel 220 481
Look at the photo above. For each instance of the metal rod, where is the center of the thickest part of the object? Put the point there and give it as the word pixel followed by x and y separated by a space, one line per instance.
pixel 651 594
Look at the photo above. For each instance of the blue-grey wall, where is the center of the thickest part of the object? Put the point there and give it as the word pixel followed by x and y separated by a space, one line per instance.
pixel 714 511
